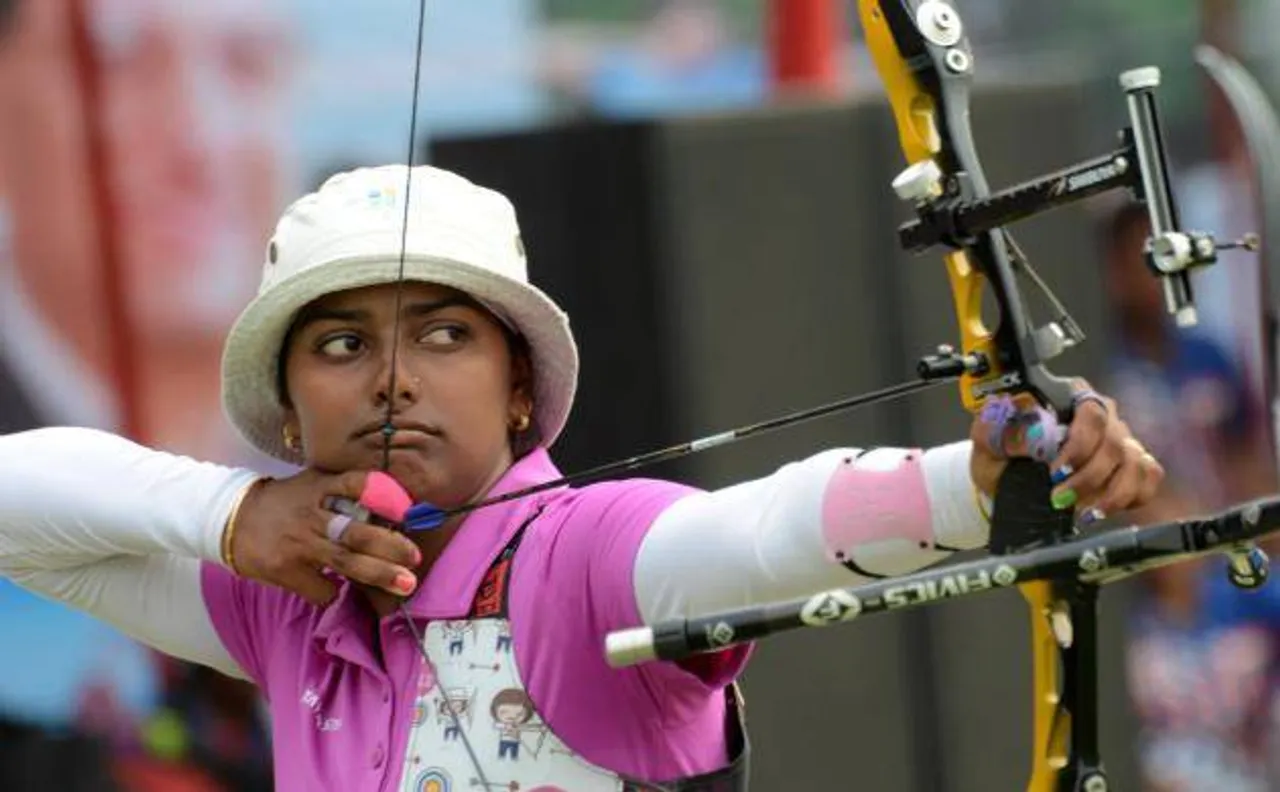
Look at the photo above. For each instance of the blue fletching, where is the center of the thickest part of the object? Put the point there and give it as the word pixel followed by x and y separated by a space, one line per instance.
pixel 423 517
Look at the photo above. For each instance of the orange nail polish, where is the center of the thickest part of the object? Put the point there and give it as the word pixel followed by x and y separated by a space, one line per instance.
pixel 405 582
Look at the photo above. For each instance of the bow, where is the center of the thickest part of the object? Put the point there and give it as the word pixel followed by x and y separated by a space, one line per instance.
pixel 925 63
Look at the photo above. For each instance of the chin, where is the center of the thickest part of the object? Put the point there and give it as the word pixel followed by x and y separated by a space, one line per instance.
pixel 420 474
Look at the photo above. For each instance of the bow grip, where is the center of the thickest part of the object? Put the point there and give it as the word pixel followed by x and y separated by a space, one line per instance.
pixel 1022 514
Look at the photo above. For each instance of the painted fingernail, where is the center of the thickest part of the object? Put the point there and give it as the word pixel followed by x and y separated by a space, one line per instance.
pixel 1064 499
pixel 405 583
pixel 1061 474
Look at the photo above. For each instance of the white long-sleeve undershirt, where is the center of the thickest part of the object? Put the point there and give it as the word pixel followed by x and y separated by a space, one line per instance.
pixel 119 531
pixel 762 540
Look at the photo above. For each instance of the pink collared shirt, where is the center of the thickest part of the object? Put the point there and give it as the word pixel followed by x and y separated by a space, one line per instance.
pixel 342 713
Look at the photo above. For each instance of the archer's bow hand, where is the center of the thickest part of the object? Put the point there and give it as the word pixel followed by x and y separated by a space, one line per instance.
pixel 1098 466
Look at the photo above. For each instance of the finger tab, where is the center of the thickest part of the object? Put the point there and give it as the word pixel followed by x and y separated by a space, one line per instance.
pixel 337 526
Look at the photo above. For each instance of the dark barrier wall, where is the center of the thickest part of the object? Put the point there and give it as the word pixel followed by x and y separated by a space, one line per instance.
pixel 723 270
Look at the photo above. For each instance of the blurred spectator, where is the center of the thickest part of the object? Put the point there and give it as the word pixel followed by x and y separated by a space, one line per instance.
pixel 190 107
pixel 683 58
pixel 1185 396
pixel 1203 656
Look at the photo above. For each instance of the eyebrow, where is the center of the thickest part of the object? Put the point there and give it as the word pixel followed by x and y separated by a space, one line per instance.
pixel 414 309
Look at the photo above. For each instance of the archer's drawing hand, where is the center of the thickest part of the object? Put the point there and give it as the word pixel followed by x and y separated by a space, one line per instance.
pixel 284 536
pixel 1099 467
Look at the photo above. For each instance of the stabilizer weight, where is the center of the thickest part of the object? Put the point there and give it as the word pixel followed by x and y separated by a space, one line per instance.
pixel 1248 568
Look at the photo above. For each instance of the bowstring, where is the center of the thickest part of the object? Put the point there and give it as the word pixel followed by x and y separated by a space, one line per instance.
pixel 388 427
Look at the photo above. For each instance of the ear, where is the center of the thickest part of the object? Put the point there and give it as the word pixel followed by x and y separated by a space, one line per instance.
pixel 521 398
pixel 292 430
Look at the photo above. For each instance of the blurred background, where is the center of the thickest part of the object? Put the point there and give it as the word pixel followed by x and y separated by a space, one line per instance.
pixel 704 185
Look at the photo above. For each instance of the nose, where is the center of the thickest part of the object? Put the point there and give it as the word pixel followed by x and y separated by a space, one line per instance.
pixel 397 384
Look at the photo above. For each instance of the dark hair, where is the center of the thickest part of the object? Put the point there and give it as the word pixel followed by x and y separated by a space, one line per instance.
pixel 512 696
pixel 8 10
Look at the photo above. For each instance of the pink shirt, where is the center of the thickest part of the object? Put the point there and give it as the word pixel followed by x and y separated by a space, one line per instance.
pixel 342 715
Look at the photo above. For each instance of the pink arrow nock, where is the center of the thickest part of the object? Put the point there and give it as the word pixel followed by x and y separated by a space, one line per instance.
pixel 384 496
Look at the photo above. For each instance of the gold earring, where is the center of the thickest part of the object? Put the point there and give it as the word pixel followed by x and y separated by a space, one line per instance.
pixel 290 442
pixel 522 423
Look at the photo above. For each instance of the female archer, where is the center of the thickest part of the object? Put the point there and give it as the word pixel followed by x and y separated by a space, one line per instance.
pixel 409 337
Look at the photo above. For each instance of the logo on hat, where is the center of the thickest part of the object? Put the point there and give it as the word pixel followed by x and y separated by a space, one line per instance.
pixel 383 197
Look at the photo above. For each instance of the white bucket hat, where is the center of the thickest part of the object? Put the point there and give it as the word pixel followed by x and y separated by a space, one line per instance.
pixel 350 234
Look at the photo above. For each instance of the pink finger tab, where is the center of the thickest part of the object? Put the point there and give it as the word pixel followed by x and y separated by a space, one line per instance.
pixel 384 496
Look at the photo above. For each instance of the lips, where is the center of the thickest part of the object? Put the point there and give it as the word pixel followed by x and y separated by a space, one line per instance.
pixel 412 436
pixel 402 429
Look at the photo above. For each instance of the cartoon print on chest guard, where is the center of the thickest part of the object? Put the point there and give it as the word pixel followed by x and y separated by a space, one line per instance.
pixel 462 701
pixel 455 634
pixel 512 712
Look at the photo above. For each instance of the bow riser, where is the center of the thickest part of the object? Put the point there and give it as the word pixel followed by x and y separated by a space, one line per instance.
pixel 928 85
pixel 921 78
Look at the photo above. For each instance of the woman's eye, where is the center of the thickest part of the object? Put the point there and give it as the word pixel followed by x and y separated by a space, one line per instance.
pixel 341 346
pixel 444 335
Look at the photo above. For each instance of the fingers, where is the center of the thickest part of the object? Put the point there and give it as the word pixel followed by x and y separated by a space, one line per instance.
pixel 286 566
pixel 1088 460
pixel 311 586
pixel 1099 468
pixel 287 537
pixel 368 554
pixel 1132 479
pixel 376 572
pixel 371 497
pixel 1093 422
pixel 380 543
pixel 350 484
pixel 1120 476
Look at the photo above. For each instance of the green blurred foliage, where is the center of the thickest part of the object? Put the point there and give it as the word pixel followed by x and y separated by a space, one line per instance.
pixel 744 17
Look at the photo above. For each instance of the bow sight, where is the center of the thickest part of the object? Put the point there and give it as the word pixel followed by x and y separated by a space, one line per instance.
pixel 950 215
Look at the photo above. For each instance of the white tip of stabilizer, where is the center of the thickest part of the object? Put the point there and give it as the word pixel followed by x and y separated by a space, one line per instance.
pixel 1136 79
pixel 1187 316
pixel 628 647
